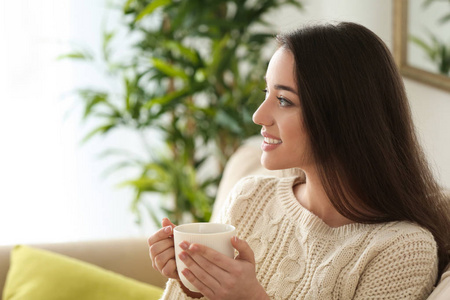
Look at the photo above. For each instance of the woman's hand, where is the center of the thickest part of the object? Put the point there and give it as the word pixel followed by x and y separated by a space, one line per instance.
pixel 220 277
pixel 162 252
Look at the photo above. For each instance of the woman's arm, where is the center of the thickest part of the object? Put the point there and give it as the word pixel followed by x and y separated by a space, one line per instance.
pixel 407 269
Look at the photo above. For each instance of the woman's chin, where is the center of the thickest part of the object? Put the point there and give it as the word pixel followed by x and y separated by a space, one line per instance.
pixel 270 164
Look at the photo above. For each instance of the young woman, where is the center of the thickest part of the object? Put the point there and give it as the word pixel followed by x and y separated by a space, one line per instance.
pixel 363 220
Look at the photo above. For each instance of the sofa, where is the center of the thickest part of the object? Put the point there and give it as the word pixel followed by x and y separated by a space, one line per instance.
pixel 129 257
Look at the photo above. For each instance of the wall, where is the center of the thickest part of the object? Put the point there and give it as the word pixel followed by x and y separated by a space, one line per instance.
pixel 431 112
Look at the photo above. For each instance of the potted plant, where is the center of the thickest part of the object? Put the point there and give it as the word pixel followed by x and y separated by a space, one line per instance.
pixel 196 76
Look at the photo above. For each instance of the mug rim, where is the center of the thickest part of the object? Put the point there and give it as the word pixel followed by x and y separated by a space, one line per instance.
pixel 229 228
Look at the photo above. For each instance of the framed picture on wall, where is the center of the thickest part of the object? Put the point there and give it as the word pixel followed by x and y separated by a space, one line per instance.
pixel 422 40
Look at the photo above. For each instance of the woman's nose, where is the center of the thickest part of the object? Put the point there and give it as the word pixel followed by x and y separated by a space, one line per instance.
pixel 262 115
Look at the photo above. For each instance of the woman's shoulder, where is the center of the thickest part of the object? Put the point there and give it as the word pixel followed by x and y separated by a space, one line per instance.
pixel 404 234
pixel 407 229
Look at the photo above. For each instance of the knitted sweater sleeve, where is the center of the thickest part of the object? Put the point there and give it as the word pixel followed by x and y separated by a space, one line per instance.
pixel 406 269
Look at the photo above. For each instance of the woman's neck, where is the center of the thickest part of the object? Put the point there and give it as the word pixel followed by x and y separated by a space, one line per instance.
pixel 311 195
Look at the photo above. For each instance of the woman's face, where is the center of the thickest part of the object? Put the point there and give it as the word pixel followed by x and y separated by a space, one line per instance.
pixel 286 144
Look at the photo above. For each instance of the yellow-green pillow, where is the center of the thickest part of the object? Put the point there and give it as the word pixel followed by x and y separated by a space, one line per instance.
pixel 42 275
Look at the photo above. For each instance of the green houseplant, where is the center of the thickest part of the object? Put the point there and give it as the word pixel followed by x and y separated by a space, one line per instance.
pixel 196 76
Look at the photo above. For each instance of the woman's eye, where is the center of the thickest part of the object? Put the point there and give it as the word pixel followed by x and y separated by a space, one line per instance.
pixel 284 102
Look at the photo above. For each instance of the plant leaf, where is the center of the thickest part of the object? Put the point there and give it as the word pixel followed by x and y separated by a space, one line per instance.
pixel 167 98
pixel 225 120
pixel 99 130
pixel 168 69
pixel 151 7
pixel 189 53
pixel 81 55
pixel 422 44
pixel 444 19
pixel 107 37
pixel 92 98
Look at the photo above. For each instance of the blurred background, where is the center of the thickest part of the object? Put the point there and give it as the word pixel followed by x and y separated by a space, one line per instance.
pixel 53 187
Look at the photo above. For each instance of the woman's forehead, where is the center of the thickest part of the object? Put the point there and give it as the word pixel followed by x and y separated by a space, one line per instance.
pixel 280 70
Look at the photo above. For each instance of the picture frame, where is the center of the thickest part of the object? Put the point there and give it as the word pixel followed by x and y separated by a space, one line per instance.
pixel 403 38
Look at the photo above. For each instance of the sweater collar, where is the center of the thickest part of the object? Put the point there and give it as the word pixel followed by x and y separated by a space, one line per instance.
pixel 307 220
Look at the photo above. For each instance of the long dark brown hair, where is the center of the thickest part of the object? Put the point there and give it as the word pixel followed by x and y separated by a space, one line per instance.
pixel 358 119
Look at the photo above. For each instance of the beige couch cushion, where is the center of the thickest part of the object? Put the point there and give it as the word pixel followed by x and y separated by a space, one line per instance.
pixel 442 290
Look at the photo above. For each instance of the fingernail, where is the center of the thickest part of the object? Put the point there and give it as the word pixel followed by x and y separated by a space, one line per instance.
pixel 168 229
pixel 182 256
pixel 184 245
pixel 185 272
pixel 236 239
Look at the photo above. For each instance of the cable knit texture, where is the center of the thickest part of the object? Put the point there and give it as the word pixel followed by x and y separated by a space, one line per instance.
pixel 298 256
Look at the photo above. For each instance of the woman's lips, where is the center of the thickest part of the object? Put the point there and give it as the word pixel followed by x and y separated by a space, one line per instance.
pixel 270 142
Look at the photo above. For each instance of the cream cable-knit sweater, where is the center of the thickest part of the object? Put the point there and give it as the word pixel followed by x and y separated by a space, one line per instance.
pixel 298 256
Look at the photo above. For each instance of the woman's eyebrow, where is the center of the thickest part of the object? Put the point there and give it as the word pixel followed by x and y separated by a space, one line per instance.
pixel 282 87
pixel 285 87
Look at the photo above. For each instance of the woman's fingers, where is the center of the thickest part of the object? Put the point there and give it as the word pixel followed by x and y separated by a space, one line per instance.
pixel 166 222
pixel 203 288
pixel 201 270
pixel 245 252
pixel 161 253
pixel 218 276
pixel 163 233
pixel 210 266
pixel 170 269
pixel 159 247
pixel 199 253
pixel 161 250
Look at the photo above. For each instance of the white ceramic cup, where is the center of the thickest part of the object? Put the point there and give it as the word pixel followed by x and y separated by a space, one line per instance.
pixel 213 235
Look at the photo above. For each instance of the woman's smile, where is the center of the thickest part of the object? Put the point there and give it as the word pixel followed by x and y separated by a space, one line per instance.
pixel 270 142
